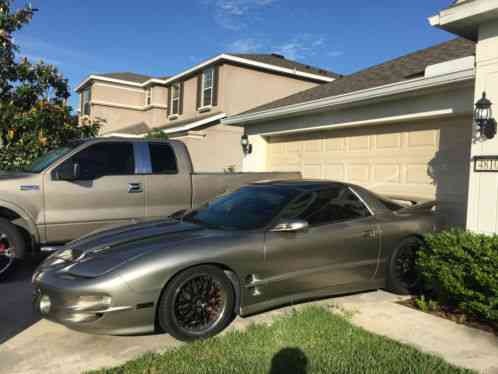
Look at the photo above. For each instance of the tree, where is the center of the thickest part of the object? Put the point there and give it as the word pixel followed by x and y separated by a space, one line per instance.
pixel 156 134
pixel 34 115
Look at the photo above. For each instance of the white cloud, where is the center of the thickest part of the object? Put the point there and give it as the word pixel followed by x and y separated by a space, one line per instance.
pixel 299 47
pixel 248 45
pixel 302 46
pixel 232 14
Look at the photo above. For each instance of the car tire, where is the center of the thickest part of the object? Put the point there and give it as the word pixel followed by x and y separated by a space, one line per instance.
pixel 197 304
pixel 12 246
pixel 403 278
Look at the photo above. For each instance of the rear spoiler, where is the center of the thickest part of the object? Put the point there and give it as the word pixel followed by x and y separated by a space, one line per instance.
pixel 413 203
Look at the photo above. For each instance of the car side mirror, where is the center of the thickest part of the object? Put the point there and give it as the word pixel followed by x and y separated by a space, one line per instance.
pixel 291 225
pixel 67 171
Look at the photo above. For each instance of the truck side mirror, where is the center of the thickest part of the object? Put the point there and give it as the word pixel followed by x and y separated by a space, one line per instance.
pixel 67 171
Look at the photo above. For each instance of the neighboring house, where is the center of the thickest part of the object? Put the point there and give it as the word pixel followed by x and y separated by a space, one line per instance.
pixel 190 105
pixel 404 127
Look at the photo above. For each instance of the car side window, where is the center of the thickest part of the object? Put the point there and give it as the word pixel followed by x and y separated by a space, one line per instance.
pixel 327 206
pixel 163 159
pixel 104 159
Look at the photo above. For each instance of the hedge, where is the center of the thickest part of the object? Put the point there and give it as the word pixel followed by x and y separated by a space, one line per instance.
pixel 460 269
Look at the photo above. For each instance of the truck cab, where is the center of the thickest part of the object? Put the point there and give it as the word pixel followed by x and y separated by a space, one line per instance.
pixel 94 184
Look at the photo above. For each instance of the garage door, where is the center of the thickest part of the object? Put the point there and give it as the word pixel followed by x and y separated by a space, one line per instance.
pixel 427 159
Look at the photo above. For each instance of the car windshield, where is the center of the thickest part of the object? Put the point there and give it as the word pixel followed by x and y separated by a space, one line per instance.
pixel 43 162
pixel 248 208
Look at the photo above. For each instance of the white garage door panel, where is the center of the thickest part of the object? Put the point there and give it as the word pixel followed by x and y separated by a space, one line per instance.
pixel 428 159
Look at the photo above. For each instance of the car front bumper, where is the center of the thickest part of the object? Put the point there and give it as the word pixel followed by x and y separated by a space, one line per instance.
pixel 125 312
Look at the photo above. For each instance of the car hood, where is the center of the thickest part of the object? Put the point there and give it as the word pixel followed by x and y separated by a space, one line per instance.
pixel 6 175
pixel 104 251
pixel 122 235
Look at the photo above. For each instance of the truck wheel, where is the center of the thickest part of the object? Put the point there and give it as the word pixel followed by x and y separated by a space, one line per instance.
pixel 12 246
pixel 403 278
pixel 197 304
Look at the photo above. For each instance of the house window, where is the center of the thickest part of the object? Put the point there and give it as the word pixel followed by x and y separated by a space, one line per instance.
pixel 85 102
pixel 148 96
pixel 207 87
pixel 175 99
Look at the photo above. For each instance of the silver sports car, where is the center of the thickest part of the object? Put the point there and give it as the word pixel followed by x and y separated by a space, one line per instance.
pixel 264 245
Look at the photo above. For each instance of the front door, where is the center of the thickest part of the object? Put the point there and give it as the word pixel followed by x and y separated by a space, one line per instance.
pixel 341 246
pixel 107 192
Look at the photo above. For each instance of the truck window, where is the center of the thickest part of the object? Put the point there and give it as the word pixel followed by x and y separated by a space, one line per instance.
pixel 162 158
pixel 103 159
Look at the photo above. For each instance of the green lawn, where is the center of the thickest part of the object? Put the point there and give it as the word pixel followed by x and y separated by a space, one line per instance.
pixel 312 340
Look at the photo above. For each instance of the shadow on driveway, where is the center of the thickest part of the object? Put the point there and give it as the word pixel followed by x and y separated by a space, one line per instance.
pixel 16 313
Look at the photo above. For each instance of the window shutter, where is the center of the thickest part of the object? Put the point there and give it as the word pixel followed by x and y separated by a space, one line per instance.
pixel 199 91
pixel 180 110
pixel 169 101
pixel 216 74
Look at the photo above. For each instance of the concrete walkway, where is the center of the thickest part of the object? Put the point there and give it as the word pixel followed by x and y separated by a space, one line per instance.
pixel 49 348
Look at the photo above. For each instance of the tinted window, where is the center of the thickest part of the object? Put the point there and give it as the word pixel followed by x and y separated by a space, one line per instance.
pixel 162 158
pixel 106 159
pixel 377 202
pixel 327 206
pixel 245 209
pixel 49 158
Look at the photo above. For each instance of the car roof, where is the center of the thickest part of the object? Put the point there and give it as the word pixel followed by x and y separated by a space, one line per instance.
pixel 301 184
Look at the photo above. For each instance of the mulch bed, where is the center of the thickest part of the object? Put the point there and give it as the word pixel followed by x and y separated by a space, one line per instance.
pixel 455 316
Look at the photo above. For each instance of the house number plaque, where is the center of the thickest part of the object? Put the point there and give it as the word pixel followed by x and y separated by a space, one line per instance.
pixel 486 164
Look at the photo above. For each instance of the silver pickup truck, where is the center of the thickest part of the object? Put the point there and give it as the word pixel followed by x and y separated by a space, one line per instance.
pixel 91 184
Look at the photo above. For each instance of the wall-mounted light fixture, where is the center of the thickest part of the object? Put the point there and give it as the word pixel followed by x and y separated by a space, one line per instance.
pixel 483 116
pixel 246 146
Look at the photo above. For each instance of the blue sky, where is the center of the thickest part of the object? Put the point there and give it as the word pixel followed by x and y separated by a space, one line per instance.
pixel 163 37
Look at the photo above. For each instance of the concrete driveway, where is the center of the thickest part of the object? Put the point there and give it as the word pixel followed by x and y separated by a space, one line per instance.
pixel 49 348
pixel 16 313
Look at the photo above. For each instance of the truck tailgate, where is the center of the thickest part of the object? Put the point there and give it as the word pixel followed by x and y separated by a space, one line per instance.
pixel 205 186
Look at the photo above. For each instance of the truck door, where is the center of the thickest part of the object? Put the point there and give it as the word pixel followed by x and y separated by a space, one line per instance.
pixel 108 191
pixel 169 188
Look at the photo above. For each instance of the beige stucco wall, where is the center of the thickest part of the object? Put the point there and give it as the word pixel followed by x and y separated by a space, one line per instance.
pixel 483 187
pixel 215 149
pixel 453 100
pixel 240 89
pixel 109 93
pixel 120 106
pixel 244 89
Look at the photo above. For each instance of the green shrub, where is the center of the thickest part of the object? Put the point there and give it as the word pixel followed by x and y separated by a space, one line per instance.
pixel 460 270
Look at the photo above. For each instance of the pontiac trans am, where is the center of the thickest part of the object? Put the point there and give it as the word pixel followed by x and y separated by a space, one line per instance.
pixel 264 245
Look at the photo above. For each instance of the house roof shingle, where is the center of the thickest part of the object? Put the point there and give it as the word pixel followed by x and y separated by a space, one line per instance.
pixel 127 76
pixel 281 61
pixel 397 70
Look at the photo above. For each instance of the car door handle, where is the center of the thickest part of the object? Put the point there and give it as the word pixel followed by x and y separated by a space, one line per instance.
pixel 371 234
pixel 135 188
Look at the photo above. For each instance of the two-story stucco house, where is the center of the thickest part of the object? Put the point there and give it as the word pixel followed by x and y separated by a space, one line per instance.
pixel 191 104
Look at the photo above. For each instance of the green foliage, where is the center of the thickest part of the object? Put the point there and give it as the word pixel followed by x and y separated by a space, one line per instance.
pixel 34 116
pixel 460 270
pixel 312 340
pixel 156 134
pixel 425 304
